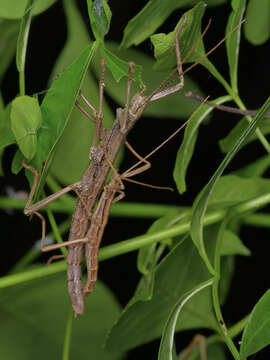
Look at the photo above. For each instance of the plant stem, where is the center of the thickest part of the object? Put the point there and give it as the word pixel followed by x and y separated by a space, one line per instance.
pixel 66 346
pixel 21 83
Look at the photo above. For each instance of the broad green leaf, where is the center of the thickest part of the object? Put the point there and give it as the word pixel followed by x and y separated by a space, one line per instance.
pixel 189 39
pixel 256 335
pixel 174 106
pixel 166 345
pixel 142 321
pixel 202 200
pixel 227 143
pixel 17 160
pixel 118 67
pixel 148 256
pixel 35 313
pixel 23 36
pixel 68 169
pixel 26 120
pixel 256 28
pixel 15 9
pixel 232 245
pixel 189 35
pixel 6 135
pixel 100 17
pixel 232 189
pixel 149 19
pixel 233 41
pixel 186 149
pixel 256 168
pixel 9 32
pixel 56 109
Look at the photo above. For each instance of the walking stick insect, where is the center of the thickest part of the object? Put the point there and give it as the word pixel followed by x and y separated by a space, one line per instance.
pixel 105 147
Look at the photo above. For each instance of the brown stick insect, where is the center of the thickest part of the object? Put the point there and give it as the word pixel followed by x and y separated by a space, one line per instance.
pixel 105 147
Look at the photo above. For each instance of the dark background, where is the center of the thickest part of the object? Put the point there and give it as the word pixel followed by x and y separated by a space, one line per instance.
pixel 251 276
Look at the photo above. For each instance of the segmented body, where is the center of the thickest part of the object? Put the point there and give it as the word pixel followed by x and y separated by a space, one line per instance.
pixel 91 186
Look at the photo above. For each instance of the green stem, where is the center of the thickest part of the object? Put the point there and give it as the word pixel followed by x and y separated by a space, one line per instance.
pixel 21 83
pixel 259 220
pixel 125 209
pixel 55 230
pixel 215 294
pixel 66 347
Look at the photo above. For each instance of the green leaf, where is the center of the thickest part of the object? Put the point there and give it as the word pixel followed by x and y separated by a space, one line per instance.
pixel 26 119
pixel 16 165
pixel 232 245
pixel 56 109
pixel 178 273
pixel 256 168
pixel 149 19
pixel 23 36
pixel 189 39
pixel 232 189
pixel 257 331
pixel 35 313
pixel 148 256
pixel 68 169
pixel 202 200
pixel 233 41
pixel 15 9
pixel 164 47
pixel 186 149
pixel 9 32
pixel 100 18
pixel 6 135
pixel 166 345
pixel 118 67
pixel 256 28
pixel 227 143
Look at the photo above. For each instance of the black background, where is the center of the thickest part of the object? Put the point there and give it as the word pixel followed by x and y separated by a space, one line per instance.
pixel 251 276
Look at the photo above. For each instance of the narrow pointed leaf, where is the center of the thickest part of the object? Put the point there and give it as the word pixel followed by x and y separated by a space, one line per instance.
pixel 56 109
pixel 233 41
pixel 23 36
pixel 227 143
pixel 186 149
pixel 256 335
pixel 166 345
pixel 152 15
pixel 202 200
